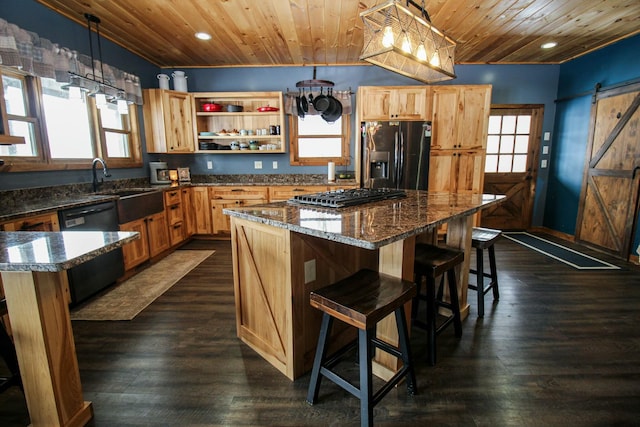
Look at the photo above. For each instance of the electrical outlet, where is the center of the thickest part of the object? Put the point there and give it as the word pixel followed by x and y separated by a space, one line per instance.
pixel 275 164
pixel 545 149
pixel 547 136
pixel 209 164
pixel 309 271
pixel 543 163
pixel 257 164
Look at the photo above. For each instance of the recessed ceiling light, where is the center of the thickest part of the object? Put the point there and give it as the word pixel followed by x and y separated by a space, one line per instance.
pixel 549 45
pixel 203 36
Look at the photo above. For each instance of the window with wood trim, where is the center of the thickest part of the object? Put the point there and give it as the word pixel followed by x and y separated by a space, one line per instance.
pixel 314 142
pixel 62 131
pixel 508 142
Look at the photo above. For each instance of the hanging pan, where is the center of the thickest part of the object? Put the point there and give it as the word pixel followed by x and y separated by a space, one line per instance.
pixel 321 102
pixel 334 111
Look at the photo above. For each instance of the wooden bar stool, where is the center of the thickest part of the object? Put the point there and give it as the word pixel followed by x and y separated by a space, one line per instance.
pixel 481 239
pixel 431 262
pixel 362 300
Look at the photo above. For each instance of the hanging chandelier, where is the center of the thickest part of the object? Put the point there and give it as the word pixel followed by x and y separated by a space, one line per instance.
pixel 397 39
pixel 94 85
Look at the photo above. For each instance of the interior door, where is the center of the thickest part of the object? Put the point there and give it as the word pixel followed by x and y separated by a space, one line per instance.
pixel 511 164
pixel 609 197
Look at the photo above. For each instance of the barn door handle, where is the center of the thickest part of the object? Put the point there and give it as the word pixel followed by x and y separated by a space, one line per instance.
pixel 635 170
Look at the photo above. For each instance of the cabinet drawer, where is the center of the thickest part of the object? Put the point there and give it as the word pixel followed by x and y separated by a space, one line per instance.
pixel 174 214
pixel 176 233
pixel 239 193
pixel 172 197
pixel 285 192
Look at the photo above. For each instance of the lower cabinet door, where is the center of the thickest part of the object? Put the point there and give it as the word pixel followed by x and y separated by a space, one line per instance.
pixel 136 252
pixel 158 234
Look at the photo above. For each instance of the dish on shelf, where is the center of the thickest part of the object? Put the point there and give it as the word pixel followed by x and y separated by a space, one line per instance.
pixel 211 107
pixel 267 109
pixel 233 134
pixel 208 134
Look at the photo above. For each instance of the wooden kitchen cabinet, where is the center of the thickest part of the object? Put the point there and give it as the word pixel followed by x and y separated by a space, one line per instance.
pixel 158 234
pixel 202 210
pixel 154 239
pixel 137 251
pixel 285 192
pixel 45 222
pixel 188 215
pixel 230 197
pixel 459 138
pixel 175 216
pixel 168 121
pixel 457 171
pixel 249 119
pixel 394 103
pixel 460 117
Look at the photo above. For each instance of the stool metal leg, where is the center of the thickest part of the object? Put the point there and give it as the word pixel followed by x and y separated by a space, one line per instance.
pixel 480 281
pixel 321 351
pixel 366 383
pixel 494 273
pixel 431 320
pixel 407 359
pixel 455 304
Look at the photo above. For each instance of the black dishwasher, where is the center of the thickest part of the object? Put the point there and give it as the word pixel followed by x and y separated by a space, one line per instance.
pixel 94 275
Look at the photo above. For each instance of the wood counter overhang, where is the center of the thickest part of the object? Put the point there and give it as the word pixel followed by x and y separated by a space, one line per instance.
pixel 31 264
pixel 282 252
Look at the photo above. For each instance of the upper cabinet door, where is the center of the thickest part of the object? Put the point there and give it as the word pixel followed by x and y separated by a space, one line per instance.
pixel 394 103
pixel 168 121
pixel 460 117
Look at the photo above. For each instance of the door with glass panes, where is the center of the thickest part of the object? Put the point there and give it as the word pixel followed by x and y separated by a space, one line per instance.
pixel 511 164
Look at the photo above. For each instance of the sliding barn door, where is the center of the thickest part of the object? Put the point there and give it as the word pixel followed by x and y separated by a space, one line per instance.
pixel 609 198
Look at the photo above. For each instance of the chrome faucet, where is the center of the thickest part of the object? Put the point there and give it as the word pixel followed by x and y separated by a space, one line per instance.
pixel 105 172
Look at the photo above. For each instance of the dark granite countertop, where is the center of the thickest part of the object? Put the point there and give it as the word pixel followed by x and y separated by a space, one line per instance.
pixel 370 225
pixel 29 202
pixel 56 251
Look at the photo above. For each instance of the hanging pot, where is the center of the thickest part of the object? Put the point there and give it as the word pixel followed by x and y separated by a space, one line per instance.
pixel 304 103
pixel 321 102
pixel 299 106
pixel 334 111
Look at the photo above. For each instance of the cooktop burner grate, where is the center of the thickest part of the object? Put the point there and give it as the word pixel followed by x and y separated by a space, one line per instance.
pixel 344 198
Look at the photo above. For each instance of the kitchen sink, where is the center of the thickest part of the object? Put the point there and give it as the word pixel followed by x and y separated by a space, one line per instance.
pixel 136 203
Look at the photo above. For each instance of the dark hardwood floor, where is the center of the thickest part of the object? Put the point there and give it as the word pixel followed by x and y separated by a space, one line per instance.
pixel 560 348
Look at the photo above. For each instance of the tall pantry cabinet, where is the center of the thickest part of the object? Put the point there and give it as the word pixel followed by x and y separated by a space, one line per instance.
pixel 459 138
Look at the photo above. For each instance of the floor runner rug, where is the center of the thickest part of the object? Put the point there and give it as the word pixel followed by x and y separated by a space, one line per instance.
pixel 561 253
pixel 126 300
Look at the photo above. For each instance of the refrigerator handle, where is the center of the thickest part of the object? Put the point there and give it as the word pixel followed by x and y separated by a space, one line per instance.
pixel 401 168
pixel 396 159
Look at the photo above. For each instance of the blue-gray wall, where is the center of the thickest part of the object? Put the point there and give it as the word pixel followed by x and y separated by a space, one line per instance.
pixel 557 188
pixel 610 66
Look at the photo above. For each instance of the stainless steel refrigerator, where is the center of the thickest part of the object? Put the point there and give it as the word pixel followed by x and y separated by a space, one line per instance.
pixel 395 154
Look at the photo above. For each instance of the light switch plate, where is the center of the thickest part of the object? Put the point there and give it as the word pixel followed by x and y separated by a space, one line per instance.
pixel 257 164
pixel 543 163
pixel 547 136
pixel 309 271
pixel 275 164
pixel 209 164
pixel 545 149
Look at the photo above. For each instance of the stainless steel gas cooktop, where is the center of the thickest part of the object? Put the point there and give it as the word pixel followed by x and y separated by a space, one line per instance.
pixel 344 198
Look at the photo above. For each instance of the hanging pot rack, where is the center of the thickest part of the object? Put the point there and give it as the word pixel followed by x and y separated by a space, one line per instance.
pixel 315 82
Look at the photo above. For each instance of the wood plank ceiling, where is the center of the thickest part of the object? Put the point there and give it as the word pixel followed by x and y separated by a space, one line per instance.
pixel 330 32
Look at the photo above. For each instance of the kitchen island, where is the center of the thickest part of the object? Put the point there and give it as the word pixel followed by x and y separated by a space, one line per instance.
pixel 31 264
pixel 283 251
